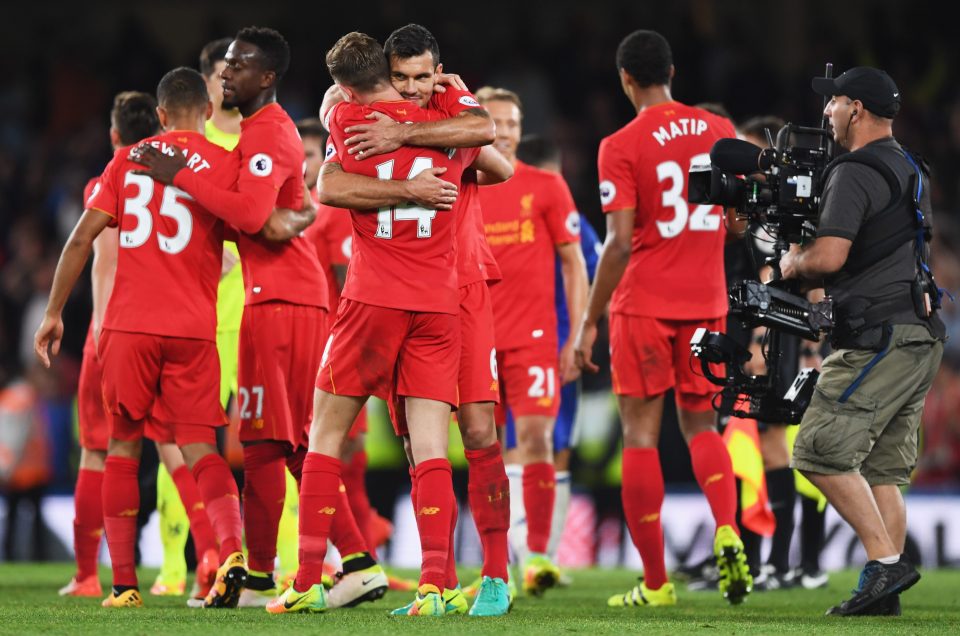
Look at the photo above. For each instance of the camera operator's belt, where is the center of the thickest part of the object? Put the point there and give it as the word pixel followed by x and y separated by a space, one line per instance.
pixel 860 325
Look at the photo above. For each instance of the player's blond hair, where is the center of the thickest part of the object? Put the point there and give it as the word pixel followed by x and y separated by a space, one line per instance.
pixel 357 61
pixel 494 94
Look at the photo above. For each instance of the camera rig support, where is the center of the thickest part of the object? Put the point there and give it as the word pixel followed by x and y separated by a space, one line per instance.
pixel 776 188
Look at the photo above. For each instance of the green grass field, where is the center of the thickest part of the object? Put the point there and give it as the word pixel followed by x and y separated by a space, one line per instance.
pixel 29 604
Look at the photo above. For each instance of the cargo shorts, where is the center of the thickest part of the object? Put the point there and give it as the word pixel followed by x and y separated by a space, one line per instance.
pixel 874 428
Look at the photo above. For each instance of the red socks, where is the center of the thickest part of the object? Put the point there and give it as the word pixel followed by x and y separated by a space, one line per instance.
pixel 320 498
pixel 451 581
pixel 642 494
pixel 435 512
pixel 714 471
pixel 203 537
pixel 264 488
pixel 87 521
pixel 539 494
pixel 121 503
pixel 489 496
pixel 354 478
pixel 345 534
pixel 222 500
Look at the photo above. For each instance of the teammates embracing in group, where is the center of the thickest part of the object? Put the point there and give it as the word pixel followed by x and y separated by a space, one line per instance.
pixel 448 305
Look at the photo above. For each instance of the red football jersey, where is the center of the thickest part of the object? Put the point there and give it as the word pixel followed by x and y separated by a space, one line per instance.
pixel 270 157
pixel 676 268
pixel 524 219
pixel 475 260
pixel 168 264
pixel 403 257
pixel 92 187
pixel 331 234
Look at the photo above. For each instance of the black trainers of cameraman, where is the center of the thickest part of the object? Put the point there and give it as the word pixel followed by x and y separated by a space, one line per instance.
pixel 879 584
pixel 770 578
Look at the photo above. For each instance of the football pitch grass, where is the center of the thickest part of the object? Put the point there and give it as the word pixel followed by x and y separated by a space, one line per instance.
pixel 29 605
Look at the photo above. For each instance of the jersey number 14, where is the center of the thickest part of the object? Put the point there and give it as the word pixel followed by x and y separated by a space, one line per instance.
pixel 387 216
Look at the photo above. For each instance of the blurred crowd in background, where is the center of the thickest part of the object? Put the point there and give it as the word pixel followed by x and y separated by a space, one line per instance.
pixel 64 65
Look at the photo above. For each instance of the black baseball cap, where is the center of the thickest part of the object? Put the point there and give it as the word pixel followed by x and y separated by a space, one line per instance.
pixel 871 86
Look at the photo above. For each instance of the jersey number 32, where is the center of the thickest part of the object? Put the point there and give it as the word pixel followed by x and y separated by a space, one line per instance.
pixel 673 197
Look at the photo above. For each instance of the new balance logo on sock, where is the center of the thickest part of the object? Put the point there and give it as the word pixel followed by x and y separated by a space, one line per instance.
pixel 497 496
pixel 129 512
pixel 650 518
pixel 546 485
pixel 429 511
pixel 712 478
pixel 329 510
pixel 198 506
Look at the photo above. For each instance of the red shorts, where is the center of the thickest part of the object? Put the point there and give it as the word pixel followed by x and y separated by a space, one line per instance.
pixel 280 346
pixel 649 356
pixel 530 383
pixel 478 357
pixel 173 381
pixel 164 433
pixel 374 350
pixel 94 423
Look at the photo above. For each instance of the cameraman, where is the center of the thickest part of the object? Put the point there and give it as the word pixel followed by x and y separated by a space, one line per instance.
pixel 858 439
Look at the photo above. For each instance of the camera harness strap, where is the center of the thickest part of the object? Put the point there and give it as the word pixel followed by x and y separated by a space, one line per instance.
pixel 919 231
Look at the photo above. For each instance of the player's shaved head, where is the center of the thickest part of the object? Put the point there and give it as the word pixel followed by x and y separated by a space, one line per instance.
pixel 182 90
pixel 274 50
pixel 647 57
pixel 357 61
pixel 410 41
pixel 134 116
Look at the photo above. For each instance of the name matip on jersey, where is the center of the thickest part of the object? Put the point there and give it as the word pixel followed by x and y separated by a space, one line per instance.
pixel 676 264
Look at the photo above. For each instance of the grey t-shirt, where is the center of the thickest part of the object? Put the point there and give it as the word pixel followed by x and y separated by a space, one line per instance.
pixel 852 194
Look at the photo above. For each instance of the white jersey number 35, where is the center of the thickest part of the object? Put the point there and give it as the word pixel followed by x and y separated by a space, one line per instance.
pixel 136 206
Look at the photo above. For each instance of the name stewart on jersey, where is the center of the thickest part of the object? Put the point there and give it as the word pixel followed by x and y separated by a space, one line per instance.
pixel 195 161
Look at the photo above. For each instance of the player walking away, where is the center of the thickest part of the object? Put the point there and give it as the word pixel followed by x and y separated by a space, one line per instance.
pixel 545 155
pixel 133 118
pixel 396 326
pixel 529 221
pixel 161 371
pixel 662 264
pixel 285 312
pixel 417 74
